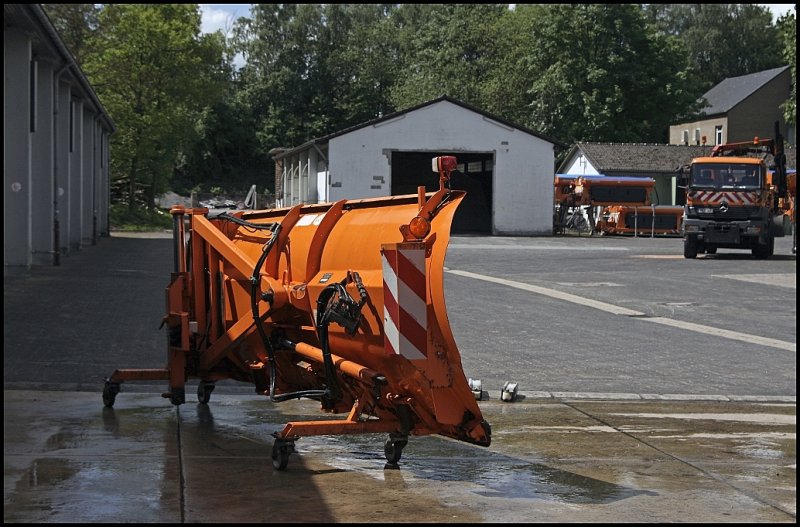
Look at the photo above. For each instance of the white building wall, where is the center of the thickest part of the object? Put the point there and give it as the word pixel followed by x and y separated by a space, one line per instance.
pixel 17 149
pixel 580 166
pixel 523 163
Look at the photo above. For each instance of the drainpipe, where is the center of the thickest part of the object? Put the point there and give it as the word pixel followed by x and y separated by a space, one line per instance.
pixel 95 178
pixel 56 111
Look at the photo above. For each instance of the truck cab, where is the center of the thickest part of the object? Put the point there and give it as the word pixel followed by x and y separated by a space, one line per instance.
pixel 733 199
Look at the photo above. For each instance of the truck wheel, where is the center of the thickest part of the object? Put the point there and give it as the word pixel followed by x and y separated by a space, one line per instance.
pixel 765 250
pixel 710 249
pixel 690 247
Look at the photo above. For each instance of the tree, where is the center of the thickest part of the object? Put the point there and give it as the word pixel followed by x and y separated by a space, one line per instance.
pixel 723 40
pixel 75 24
pixel 312 69
pixel 444 49
pixel 787 26
pixel 154 72
pixel 596 72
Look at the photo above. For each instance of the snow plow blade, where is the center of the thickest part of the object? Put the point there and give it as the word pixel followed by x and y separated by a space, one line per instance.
pixel 338 302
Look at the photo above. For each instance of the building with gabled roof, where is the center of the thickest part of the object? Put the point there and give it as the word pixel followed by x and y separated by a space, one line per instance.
pixel 739 109
pixel 506 169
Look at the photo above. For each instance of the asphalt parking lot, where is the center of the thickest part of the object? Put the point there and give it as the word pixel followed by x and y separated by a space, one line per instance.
pixel 654 389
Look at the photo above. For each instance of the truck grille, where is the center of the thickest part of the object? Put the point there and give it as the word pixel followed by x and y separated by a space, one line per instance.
pixel 732 213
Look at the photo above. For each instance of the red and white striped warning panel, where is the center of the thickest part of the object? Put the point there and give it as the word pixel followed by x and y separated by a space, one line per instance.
pixel 405 305
pixel 712 197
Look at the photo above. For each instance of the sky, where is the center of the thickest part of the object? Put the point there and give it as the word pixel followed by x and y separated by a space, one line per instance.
pixel 222 16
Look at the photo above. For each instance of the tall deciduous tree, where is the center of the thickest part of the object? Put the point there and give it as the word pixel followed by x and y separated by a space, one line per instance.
pixel 596 72
pixel 444 49
pixel 787 25
pixel 75 24
pixel 155 72
pixel 723 40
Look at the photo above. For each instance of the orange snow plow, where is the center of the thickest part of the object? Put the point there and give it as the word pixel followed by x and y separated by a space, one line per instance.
pixel 341 302
pixel 641 221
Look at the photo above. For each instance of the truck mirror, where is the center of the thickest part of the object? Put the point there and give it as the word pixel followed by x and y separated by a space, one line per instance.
pixel 682 174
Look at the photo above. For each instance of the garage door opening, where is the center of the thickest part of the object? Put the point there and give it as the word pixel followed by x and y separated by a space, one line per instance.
pixel 474 175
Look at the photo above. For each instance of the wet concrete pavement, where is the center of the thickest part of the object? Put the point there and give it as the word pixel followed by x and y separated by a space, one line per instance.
pixel 648 439
pixel 67 458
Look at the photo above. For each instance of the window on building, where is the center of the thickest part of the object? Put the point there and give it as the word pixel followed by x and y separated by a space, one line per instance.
pixel 685 137
pixel 697 136
pixel 718 135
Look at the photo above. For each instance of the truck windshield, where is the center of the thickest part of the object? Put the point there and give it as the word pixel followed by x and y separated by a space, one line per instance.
pixel 726 175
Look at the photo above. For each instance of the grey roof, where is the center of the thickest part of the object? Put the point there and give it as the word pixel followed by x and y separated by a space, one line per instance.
pixel 733 90
pixel 325 139
pixel 643 158
pixel 636 157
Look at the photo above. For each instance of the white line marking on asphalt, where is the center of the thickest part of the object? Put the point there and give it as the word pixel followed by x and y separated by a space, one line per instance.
pixel 725 333
pixel 617 310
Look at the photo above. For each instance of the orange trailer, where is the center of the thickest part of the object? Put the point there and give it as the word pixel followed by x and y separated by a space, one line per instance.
pixel 641 221
pixel 337 302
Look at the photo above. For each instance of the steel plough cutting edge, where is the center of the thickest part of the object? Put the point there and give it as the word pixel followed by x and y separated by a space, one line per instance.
pixel 339 302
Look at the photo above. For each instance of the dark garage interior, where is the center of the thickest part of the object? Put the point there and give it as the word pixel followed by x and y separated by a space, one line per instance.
pixel 474 175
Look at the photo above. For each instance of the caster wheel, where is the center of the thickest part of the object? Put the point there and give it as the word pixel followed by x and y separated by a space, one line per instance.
pixel 177 396
pixel 393 449
pixel 110 391
pixel 204 390
pixel 280 454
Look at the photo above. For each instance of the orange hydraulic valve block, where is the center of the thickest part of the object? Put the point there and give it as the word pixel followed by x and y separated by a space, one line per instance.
pixel 337 302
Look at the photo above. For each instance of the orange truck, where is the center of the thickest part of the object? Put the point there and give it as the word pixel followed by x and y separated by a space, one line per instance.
pixel 342 303
pixel 735 200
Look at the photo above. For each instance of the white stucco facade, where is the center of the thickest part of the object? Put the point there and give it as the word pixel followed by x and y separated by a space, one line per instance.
pixel 580 166
pixel 522 196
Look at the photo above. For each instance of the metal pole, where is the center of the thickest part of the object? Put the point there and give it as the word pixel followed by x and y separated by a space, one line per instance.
pixel 653 224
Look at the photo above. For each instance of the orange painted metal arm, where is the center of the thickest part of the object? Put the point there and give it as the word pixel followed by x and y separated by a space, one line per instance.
pixel 215 238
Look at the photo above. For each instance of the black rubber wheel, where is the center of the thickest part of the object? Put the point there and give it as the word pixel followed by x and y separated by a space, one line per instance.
pixel 710 249
pixel 204 390
pixel 110 391
pixel 280 454
pixel 766 250
pixel 393 449
pixel 690 247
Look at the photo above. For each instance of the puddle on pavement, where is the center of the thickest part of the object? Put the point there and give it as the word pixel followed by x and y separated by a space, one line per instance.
pixel 430 458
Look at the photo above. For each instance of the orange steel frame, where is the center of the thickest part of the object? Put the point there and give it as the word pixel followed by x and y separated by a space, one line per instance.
pixel 212 336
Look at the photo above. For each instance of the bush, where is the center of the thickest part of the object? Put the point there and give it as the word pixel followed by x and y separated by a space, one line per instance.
pixel 138 219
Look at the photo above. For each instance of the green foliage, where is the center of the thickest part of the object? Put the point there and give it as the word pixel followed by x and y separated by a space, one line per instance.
pixel 723 40
pixel 444 49
pixel 139 219
pixel 75 23
pixel 596 72
pixel 787 26
pixel 155 73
